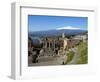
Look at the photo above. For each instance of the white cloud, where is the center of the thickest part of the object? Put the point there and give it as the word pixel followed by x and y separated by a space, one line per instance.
pixel 68 27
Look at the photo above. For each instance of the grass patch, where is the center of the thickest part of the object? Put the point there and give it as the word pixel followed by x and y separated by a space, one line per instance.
pixel 70 56
pixel 83 53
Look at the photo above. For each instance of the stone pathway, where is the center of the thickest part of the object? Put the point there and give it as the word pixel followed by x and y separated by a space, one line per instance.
pixel 55 60
pixel 48 60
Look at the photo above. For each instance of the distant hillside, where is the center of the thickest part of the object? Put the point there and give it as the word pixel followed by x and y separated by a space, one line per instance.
pixel 55 32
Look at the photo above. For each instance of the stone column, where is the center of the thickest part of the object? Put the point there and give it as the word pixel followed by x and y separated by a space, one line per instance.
pixel 45 44
pixel 49 44
pixel 54 45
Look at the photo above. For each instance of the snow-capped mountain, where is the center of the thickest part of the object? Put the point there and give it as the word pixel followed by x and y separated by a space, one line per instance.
pixel 68 28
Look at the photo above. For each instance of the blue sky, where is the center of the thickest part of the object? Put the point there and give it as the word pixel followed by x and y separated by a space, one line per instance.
pixel 40 22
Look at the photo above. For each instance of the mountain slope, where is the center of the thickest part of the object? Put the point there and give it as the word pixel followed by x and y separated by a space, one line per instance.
pixel 56 32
